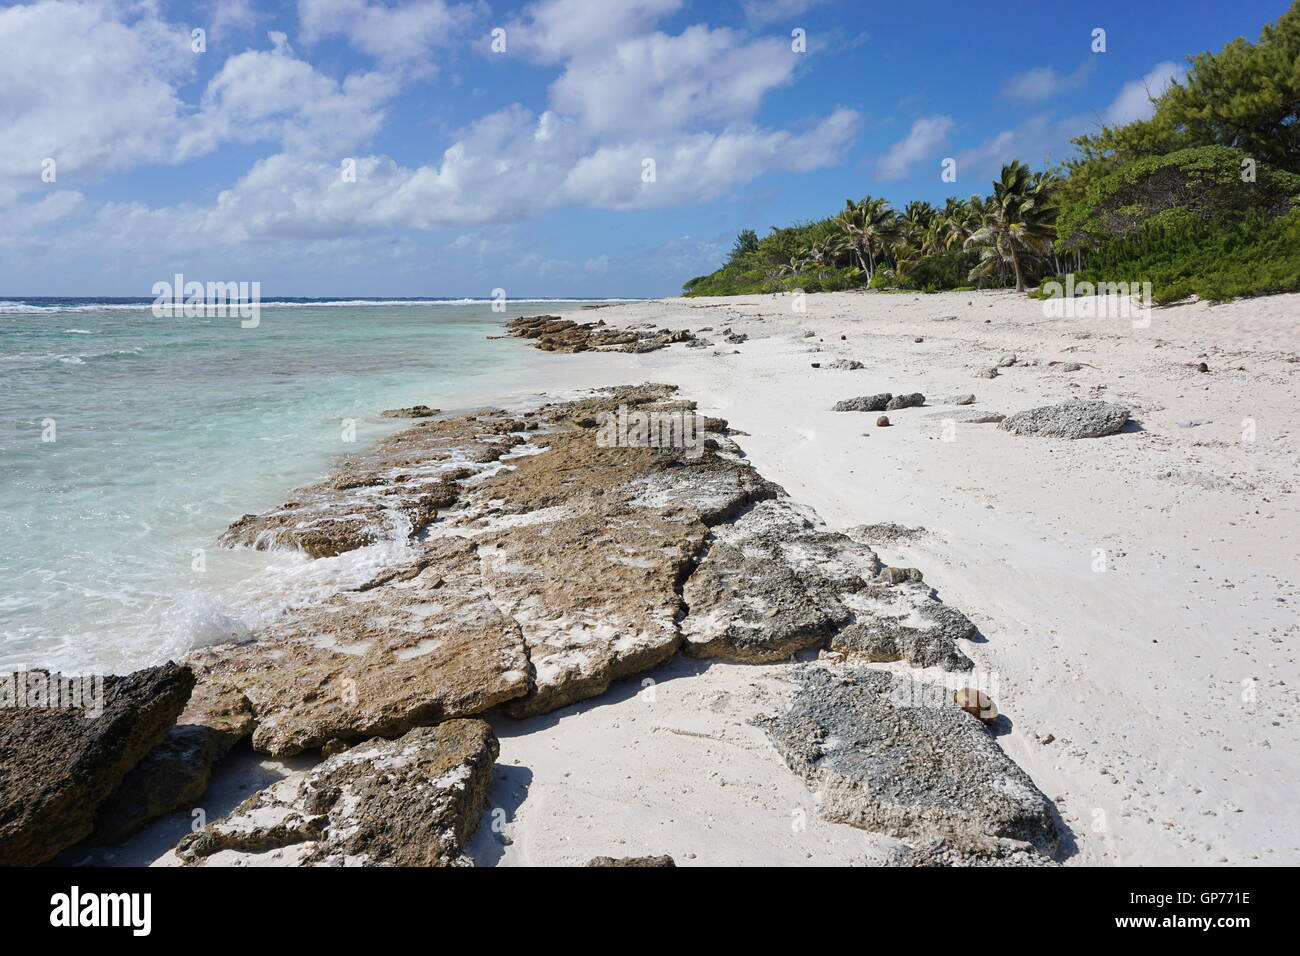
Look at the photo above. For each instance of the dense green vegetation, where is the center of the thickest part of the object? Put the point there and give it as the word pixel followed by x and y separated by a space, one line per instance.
pixel 1202 199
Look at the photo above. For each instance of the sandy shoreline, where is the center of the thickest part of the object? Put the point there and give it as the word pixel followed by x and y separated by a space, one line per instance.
pixel 1152 702
pixel 1143 674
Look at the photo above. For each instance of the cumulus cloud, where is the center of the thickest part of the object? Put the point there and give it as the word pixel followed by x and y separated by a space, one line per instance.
pixel 94 93
pixel 553 30
pixel 770 11
pixel 273 95
pixel 1030 142
pixel 927 137
pixel 659 82
pixel 1134 100
pixel 508 166
pixel 398 34
pixel 229 17
pixel 1043 82
pixel 1041 136
pixel 625 92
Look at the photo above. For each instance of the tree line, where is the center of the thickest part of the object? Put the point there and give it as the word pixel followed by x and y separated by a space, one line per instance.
pixel 1202 198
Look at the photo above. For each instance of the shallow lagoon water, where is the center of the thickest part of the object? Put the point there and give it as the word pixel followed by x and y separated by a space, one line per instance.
pixel 129 442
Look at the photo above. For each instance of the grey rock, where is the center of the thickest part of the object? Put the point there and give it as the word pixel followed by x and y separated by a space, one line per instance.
pixel 414 801
pixel 415 411
pixel 892 755
pixel 634 861
pixel 846 365
pixel 893 576
pixel 952 852
pixel 986 373
pixel 1007 361
pixel 911 400
pixel 886 532
pixel 758 594
pixel 864 403
pixel 1073 419
pixel 958 400
pixel 969 416
pixel 925 638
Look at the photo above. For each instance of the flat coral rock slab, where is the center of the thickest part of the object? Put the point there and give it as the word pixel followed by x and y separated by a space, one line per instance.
pixel 423 643
pixel 595 598
pixel 413 801
pixel 890 754
pixel 768 586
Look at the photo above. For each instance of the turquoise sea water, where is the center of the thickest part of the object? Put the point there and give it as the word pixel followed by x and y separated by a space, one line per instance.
pixel 129 442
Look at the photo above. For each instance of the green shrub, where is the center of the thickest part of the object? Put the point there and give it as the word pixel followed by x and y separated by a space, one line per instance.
pixel 1182 255
pixel 1206 181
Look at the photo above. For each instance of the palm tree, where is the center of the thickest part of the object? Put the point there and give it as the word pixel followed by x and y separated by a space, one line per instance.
pixel 1017 222
pixel 869 225
pixel 820 254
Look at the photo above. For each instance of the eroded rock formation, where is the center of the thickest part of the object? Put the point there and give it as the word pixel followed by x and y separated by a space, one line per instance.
pixel 554 334
pixel 1073 419
pixel 562 567
pixel 546 562
pixel 895 755
pixel 58 764
pixel 414 801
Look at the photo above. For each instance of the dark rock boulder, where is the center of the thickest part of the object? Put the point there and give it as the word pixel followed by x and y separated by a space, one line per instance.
pixel 59 764
pixel 864 403
pixel 174 774
pixel 632 861
pixel 911 400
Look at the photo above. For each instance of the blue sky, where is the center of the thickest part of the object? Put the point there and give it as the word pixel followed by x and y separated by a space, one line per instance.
pixel 525 168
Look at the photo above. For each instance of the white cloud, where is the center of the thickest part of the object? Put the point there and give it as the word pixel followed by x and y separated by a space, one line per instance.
pixel 658 82
pixel 703 166
pixel 1134 100
pixel 927 137
pixel 1044 82
pixel 554 30
pixel 1040 137
pixel 273 95
pixel 770 11
pixel 508 166
pixel 1029 142
pixel 391 34
pixel 87 90
pixel 625 92
pixel 230 17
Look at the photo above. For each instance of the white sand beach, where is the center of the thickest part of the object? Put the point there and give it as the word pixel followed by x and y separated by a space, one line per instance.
pixel 1137 592
pixel 1153 701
